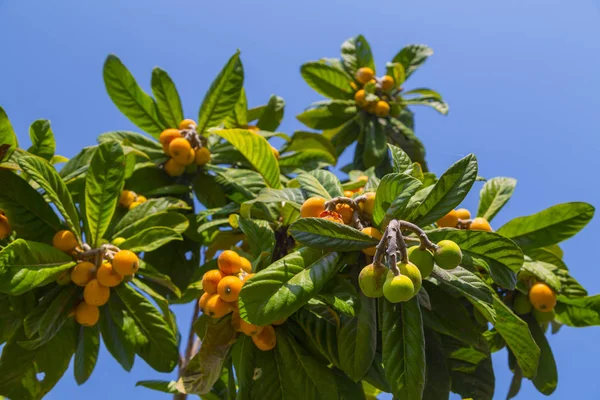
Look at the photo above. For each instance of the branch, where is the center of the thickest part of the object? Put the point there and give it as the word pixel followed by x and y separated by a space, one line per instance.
pixel 425 242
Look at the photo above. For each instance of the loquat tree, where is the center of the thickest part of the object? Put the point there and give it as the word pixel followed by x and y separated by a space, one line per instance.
pixel 306 284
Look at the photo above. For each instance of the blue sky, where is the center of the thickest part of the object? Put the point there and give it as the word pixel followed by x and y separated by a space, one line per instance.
pixel 521 78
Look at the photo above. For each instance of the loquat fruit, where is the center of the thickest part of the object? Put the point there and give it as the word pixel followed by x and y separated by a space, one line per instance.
pixel 64 241
pixel 203 300
pixel 382 108
pixel 86 314
pixel 364 75
pixel 312 207
pixel 82 273
pixel 521 304
pixel 211 279
pixel 180 150
pixel 480 224
pixel 5 228
pixel 332 216
pixel 387 83
pixel 187 124
pixel 126 262
pixel 229 288
pixel 348 193
pixel 173 168
pixel 265 340
pixel 371 280
pixel 345 212
pixel 447 254
pixel 216 307
pixel 96 294
pixel 107 276
pixel 368 205
pixel 202 156
pixel 542 297
pixel 398 288
pixel 246 265
pixel 463 213
pixel 373 232
pixel 449 220
pixel 423 259
pixel 229 262
pixel 168 135
pixel 249 329
pixel 126 198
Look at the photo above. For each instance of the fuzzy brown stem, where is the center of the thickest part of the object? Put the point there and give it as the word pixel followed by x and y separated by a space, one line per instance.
pixel 425 242
pixel 380 249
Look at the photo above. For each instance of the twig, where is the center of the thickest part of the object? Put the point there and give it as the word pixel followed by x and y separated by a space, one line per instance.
pixel 425 242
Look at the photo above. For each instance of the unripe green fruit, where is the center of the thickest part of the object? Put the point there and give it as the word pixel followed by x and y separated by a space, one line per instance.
pixel 371 280
pixel 118 241
pixel 542 317
pixel 412 272
pixel 399 288
pixel 521 304
pixel 447 255
pixel 423 259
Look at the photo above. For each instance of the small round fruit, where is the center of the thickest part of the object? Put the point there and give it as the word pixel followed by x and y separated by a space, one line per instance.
pixel 279 322
pixel 168 135
pixel 82 273
pixel 447 254
pixel 463 213
pixel 5 228
pixel 64 278
pixel 480 224
pixel 249 329
pixel 360 98
pixel 387 83
pixel 172 168
pixel 134 205
pixel 229 288
pixel 521 304
pixel 211 279
pixel 191 157
pixel 345 212
pixel 86 314
pixel 312 207
pixel 246 265
pixel 449 220
pixel 203 300
pixel 364 75
pixel 187 124
pixel 96 294
pixel 368 205
pixel 399 288
pixel 202 156
pixel 107 276
pixel 141 199
pixel 64 241
pixel 542 297
pixel 216 307
pixel 265 340
pixel 371 280
pixel 118 241
pixel 332 216
pixel 423 259
pixel 229 262
pixel 375 233
pixel 275 152
pixel 126 262
pixel 543 317
pixel 126 198
pixel 382 108
pixel 412 272
pixel 348 193
pixel 180 150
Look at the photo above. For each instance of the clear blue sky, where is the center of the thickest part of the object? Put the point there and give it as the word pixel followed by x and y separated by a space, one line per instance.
pixel 521 78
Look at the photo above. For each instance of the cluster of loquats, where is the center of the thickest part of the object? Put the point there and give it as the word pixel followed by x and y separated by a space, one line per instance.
pixel 221 292
pixel 375 93
pixel 130 200
pixel 184 146
pixel 461 219
pixel 5 228
pixel 95 271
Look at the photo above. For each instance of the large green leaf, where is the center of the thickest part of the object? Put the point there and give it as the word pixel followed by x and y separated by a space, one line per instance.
pixel 286 285
pixel 103 185
pixel 357 340
pixel 375 141
pixel 473 383
pixel 257 151
pixel 324 234
pixel 151 148
pixel 150 239
pixel 578 312
pixel 496 254
pixel 306 160
pixel 167 98
pixel 150 207
pixel 136 104
pixel 46 176
pixel 541 271
pixel 29 214
pixel 447 193
pixel 318 327
pixel 546 378
pixel 393 193
pixel 25 265
pixel 328 115
pixel 404 349
pixel 341 295
pixel 42 139
pixel 8 139
pixel 320 183
pixel 222 95
pixel 401 161
pixel 88 345
pixel 272 115
pixel 260 236
pixel 494 195
pixel 167 219
pixel 356 53
pixel 412 57
pixel 115 339
pixel 437 385
pixel 548 227
pixel 429 101
pixel 157 343
pixel 302 141
pixel 327 80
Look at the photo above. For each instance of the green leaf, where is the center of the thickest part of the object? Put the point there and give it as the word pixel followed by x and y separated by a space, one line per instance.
pixel 578 312
pixel 160 386
pixel 129 98
pixel 478 383
pixel 393 193
pixel 103 185
pixel 341 295
pixel 327 80
pixel 323 234
pixel 375 143
pixel 222 95
pixel 306 160
pixel 357 340
pixel 115 340
pixel 328 115
pixel 151 148
pixel 286 285
pixel 150 239
pixel 356 53
pixel 546 378
pixel 88 345
pixel 150 207
pixel 401 160
pixel 272 115
pixel 412 57
pixel 8 139
pixel 151 274
pixel 302 141
pixel 438 373
pixel 25 265
pixel 260 236
pixel 541 271
pixel 320 183
pixel 548 227
pixel 46 176
pixel 257 151
pixel 166 219
pixel 29 214
pixel 429 101
pixel 404 349
pixel 396 71
pixel 240 112
pixel 494 195
pixel 42 139
pixel 447 193
pixel 491 251
pixel 167 98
